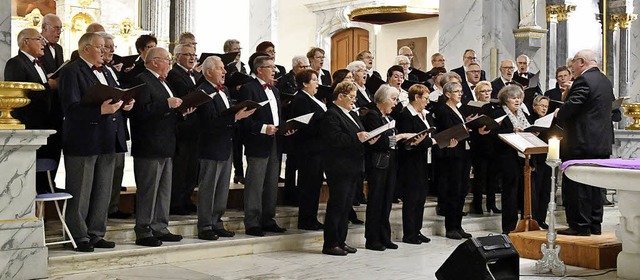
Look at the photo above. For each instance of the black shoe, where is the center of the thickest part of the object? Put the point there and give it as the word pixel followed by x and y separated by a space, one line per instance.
pixel 119 215
pixel 148 241
pixel 606 202
pixel 349 249
pixel 179 211
pixel 362 200
pixel 319 225
pixel 375 247
pixel 543 225
pixel 356 221
pixel 191 208
pixel 464 213
pixel 169 237
pixel 464 234
pixel 423 238
pixel 596 229
pixel 274 228
pixel 335 251
pixel 104 244
pixel 309 227
pixel 495 210
pixel 453 234
pixel 395 201
pixel 238 180
pixel 280 180
pixel 391 245
pixel 224 233
pixel 254 231
pixel 571 231
pixel 84 246
pixel 207 235
pixel 411 240
pixel 440 212
pixel 355 203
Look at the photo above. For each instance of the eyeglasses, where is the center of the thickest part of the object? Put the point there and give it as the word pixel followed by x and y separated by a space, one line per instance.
pixel 319 57
pixel 57 28
pixel 471 57
pixel 189 54
pixel 41 39
pixel 351 97
pixel 543 106
pixel 508 67
pixel 522 62
pixel 486 91
pixel 110 47
pixel 268 66
pixel 98 47
pixel 474 71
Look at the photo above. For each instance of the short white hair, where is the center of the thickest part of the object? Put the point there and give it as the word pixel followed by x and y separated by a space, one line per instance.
pixel 179 47
pixel 401 58
pixel 355 65
pixel 384 93
pixel 209 63
pixel 404 48
pixel 105 35
pixel 299 60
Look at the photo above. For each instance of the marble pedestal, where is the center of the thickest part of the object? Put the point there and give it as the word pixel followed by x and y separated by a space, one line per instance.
pixel 23 254
pixel 625 181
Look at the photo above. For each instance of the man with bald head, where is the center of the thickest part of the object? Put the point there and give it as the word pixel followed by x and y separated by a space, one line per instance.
pixel 28 66
pixel 507 68
pixel 586 119
pixel 92 135
pixel 153 144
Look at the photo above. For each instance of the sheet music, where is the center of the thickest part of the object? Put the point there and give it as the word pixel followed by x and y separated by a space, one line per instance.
pixel 380 130
pixel 305 119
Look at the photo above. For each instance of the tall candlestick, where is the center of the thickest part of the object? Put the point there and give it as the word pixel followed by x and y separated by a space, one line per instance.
pixel 554 149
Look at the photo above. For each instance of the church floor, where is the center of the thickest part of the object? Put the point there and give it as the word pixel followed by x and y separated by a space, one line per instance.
pixel 408 262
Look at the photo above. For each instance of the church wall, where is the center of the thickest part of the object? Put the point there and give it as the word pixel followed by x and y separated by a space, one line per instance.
pixel 386 40
pixel 296 31
pixel 634 65
pixel 5 34
pixel 216 22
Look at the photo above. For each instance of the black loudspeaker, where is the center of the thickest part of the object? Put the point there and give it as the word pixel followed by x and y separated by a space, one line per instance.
pixel 490 257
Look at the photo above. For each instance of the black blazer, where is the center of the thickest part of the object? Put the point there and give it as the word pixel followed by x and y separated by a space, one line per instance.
pixel 412 160
pixel 287 84
pixel 129 79
pixel 281 72
pixel 463 75
pixel 216 130
pixel 467 93
pixel 343 151
pixel 258 144
pixel 307 140
pixel 375 73
pixel 325 80
pixel 496 86
pixel 52 64
pixel 586 116
pixel 362 101
pixel 372 120
pixel 181 84
pixel 37 113
pixel 153 123
pixel 85 131
pixel 445 118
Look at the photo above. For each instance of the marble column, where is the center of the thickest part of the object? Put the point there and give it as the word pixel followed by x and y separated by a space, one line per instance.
pixel 624 21
pixel 22 251
pixel 154 16
pixel 634 60
pixel 557 15
pixel 497 45
pixel 529 37
pixel 182 14
pixel 263 21
pixel 5 34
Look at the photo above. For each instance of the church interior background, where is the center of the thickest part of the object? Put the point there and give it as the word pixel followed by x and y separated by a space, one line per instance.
pixel 547 31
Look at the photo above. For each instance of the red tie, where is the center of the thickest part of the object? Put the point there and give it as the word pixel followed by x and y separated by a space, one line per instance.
pixel 220 88
pixel 266 86
pixel 190 72
pixel 38 62
pixel 96 68
pixel 162 79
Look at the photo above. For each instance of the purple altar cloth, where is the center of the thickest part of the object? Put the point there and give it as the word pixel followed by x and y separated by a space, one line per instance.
pixel 633 163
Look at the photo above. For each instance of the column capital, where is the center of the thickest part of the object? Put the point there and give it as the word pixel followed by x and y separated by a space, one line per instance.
pixel 559 12
pixel 622 20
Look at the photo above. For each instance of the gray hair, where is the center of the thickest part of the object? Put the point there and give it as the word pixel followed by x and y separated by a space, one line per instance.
pixel 539 98
pixel 153 53
pixel 525 57
pixel 179 47
pixel 384 93
pixel 228 44
pixel 46 20
pixel 355 65
pixel 447 77
pixel 400 58
pixel 404 48
pixel 24 33
pixel 259 61
pixel 299 60
pixel 450 87
pixel 105 35
pixel 209 63
pixel 86 39
pixel 509 91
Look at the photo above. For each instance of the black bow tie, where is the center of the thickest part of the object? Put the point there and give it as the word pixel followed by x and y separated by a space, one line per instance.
pixel 38 62
pixel 96 68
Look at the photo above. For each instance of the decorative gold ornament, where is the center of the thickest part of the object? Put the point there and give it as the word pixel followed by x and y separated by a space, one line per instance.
pixel 14 95
pixel 559 12
pixel 85 3
pixel 622 20
pixel 632 110
pixel 126 28
pixel 80 21
pixel 529 32
pixel 33 19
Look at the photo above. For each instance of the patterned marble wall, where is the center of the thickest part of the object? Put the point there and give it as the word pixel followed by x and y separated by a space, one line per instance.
pixel 5 34
pixel 634 65
pixel 499 19
pixel 263 20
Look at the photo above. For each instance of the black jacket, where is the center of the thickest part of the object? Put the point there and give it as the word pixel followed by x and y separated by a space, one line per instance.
pixel 258 144
pixel 307 140
pixel 343 151
pixel 216 129
pixel 181 84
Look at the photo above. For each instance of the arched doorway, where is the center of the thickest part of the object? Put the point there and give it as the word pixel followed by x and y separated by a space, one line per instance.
pixel 346 44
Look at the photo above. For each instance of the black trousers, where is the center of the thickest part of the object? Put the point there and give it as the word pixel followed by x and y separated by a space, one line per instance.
pixel 414 195
pixel 541 191
pixel 510 167
pixel 381 183
pixel 185 173
pixel 485 177
pixel 451 178
pixel 309 184
pixel 336 222
pixel 291 192
pixel 238 167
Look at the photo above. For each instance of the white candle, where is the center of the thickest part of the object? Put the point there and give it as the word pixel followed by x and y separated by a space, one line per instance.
pixel 554 149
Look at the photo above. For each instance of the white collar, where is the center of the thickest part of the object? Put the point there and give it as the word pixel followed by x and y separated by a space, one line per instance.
pixel 412 110
pixel 154 73
pixel 30 57
pixel 183 68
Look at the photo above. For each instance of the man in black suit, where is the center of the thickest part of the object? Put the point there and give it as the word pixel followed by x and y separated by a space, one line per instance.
pixel 53 53
pixel 233 45
pixel 28 66
pixel 182 79
pixel 91 28
pixel 153 144
pixel 268 48
pixel 563 76
pixel 586 119
pixel 261 148
pixel 316 60
pixel 287 84
pixel 472 77
pixel 92 135
pixel 523 62
pixel 468 57
pixel 507 67
pixel 143 44
pixel 367 58
pixel 437 60
pixel 342 133
pixel 215 145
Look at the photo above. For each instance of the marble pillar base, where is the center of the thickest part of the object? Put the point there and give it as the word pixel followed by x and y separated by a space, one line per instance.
pixel 629 233
pixel 23 254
